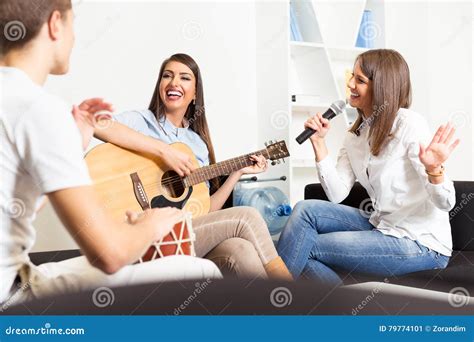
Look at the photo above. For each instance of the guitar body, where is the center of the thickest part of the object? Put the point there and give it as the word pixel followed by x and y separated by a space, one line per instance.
pixel 127 180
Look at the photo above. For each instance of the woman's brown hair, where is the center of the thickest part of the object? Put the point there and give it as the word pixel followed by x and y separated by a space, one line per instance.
pixel 196 112
pixel 391 90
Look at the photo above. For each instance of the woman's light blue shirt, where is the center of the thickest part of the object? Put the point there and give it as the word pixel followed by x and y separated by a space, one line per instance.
pixel 145 122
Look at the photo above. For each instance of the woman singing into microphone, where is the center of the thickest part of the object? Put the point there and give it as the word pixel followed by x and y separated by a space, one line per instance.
pixel 409 228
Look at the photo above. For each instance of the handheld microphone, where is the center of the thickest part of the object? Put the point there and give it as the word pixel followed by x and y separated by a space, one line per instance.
pixel 335 109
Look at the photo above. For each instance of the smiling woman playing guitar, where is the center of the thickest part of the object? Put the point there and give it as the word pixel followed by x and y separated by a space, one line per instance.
pixel 177 114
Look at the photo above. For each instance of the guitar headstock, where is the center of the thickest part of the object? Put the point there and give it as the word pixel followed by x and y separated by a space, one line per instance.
pixel 277 150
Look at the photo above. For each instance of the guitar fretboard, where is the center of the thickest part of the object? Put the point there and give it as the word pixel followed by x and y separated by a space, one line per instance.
pixel 225 167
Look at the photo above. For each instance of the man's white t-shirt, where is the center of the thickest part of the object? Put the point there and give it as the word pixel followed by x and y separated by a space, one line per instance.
pixel 40 152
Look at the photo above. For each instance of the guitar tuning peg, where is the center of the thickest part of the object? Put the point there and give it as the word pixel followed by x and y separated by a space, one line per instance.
pixel 273 163
pixel 284 162
pixel 265 143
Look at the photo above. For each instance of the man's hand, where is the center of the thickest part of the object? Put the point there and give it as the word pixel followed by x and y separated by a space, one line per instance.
pixel 86 118
pixel 162 219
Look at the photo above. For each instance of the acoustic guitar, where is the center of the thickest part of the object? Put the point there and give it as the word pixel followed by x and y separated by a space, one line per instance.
pixel 128 180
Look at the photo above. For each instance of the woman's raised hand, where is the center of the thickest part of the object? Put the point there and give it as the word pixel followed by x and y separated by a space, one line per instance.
pixel 439 149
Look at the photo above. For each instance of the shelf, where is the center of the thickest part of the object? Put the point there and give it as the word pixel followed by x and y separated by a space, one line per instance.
pixel 307 44
pixel 346 48
pixel 306 21
pixel 345 53
pixel 319 68
pixel 302 108
pixel 311 73
pixel 302 176
pixel 339 21
pixel 303 163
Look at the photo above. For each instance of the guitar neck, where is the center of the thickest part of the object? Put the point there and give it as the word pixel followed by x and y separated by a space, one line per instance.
pixel 225 167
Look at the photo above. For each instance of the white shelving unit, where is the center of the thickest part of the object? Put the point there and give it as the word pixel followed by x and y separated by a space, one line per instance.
pixel 317 68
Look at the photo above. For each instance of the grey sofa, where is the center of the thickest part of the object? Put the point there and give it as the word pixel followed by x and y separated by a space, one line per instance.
pixel 460 270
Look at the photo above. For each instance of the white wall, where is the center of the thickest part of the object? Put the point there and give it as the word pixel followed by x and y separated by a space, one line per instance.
pixel 120 47
pixel 436 39
pixel 118 52
pixel 272 58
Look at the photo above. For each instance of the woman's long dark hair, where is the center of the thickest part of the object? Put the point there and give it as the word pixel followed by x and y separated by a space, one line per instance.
pixel 196 112
pixel 391 90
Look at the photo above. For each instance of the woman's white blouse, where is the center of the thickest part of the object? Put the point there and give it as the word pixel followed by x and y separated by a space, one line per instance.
pixel 405 203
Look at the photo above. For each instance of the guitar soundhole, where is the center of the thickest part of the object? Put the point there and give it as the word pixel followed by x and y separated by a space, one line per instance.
pixel 172 184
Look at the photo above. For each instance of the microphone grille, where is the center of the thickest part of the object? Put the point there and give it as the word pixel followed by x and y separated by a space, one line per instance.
pixel 338 106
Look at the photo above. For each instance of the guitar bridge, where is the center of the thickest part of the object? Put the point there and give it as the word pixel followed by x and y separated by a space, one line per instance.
pixel 139 191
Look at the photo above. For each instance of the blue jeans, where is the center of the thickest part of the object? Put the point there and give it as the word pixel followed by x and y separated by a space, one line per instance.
pixel 321 237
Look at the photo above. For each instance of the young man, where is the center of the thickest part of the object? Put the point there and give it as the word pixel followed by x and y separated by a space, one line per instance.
pixel 42 153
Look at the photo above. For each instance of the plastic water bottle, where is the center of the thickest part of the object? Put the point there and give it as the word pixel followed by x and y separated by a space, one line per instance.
pixel 271 202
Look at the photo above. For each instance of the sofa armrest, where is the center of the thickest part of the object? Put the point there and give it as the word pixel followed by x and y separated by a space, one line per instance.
pixel 461 217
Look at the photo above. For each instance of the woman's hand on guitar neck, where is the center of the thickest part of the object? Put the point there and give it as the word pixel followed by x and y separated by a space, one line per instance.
pixel 177 160
pixel 260 165
pixel 220 196
pixel 162 219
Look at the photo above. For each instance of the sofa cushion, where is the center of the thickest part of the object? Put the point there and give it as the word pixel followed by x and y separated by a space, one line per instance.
pixel 460 270
pixel 232 296
pixel 459 273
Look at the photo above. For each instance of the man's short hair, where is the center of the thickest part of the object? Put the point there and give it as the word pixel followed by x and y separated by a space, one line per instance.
pixel 21 20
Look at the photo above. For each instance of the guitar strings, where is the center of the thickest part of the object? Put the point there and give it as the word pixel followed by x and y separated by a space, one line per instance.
pixel 177 179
